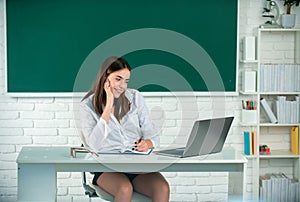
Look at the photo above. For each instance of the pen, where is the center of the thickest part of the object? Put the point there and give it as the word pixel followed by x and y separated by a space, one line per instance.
pixel 244 104
pixel 248 105
pixel 140 139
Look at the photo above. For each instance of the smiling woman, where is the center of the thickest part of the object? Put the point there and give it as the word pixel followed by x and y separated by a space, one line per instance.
pixel 111 82
pixel 115 118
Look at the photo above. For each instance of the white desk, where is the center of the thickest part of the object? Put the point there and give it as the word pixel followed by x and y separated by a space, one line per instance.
pixel 37 168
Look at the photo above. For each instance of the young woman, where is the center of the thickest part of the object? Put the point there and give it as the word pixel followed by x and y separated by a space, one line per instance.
pixel 114 117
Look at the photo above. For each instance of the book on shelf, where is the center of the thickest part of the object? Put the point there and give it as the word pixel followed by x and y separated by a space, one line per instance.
pixel 280 78
pixel 295 140
pixel 278 187
pixel 265 189
pixel 254 142
pixel 250 143
pixel 269 113
pixel 249 81
pixel 294 190
pixel 287 111
pixel 247 143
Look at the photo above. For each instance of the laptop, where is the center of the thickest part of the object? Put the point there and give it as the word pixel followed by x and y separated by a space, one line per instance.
pixel 206 137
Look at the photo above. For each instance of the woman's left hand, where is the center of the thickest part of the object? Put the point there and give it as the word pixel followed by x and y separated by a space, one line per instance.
pixel 143 145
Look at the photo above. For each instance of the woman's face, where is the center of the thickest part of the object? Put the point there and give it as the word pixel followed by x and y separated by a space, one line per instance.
pixel 118 81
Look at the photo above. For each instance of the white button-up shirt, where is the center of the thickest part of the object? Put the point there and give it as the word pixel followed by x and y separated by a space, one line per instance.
pixel 117 136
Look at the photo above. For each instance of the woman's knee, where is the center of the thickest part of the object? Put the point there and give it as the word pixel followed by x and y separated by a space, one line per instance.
pixel 116 184
pixel 161 192
pixel 164 187
pixel 161 186
pixel 125 188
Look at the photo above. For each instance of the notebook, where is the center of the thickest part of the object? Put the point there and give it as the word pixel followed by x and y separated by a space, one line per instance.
pixel 206 137
pixel 127 152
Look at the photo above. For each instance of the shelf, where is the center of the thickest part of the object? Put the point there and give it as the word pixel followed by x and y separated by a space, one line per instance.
pixel 267 53
pixel 249 61
pixel 248 124
pixel 276 154
pixel 248 93
pixel 279 93
pixel 278 30
pixel 278 125
pixel 251 156
pixel 269 93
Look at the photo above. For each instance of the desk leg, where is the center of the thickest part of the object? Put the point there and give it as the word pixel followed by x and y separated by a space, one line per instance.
pixel 36 182
pixel 237 185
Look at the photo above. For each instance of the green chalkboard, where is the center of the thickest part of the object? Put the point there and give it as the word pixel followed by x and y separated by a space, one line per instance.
pixel 57 46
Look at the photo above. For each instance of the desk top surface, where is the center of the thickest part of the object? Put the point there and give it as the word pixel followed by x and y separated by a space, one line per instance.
pixel 61 155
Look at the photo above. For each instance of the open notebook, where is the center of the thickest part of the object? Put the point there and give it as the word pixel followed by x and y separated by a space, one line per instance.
pixel 127 152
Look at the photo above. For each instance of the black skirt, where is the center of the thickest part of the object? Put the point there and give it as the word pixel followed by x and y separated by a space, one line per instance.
pixel 130 176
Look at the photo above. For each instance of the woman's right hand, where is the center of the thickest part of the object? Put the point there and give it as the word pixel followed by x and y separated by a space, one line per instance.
pixel 109 94
pixel 108 108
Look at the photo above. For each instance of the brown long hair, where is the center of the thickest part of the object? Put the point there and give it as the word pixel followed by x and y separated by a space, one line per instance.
pixel 122 104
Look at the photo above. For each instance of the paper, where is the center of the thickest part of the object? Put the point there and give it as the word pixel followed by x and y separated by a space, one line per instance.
pixel 127 152
pixel 138 152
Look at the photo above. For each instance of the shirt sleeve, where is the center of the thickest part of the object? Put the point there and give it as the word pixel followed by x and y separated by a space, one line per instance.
pixel 93 128
pixel 148 128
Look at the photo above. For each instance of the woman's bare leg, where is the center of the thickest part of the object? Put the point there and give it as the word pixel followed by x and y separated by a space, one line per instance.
pixel 117 184
pixel 153 185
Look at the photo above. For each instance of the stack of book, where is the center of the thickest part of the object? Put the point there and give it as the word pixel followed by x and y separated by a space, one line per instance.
pixel 278 187
pixel 250 143
pixel 284 111
pixel 279 78
pixel 287 111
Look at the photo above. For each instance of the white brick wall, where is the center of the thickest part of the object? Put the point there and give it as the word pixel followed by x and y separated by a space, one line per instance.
pixel 49 121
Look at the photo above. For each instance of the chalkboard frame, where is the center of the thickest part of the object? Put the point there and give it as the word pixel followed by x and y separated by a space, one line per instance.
pixel 79 94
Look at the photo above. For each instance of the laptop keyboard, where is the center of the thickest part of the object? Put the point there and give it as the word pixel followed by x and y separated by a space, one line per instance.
pixel 178 151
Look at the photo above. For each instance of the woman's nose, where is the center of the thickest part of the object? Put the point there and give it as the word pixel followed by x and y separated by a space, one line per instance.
pixel 123 84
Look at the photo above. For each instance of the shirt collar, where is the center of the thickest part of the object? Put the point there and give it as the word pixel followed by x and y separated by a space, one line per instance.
pixel 129 95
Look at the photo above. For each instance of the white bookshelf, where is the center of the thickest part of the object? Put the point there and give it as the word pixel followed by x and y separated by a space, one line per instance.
pixel 266 49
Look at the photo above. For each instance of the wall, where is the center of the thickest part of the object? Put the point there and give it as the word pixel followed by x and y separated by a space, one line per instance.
pixel 50 121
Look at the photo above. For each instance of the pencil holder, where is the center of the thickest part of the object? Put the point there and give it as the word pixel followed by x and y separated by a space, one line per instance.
pixel 249 116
